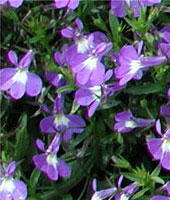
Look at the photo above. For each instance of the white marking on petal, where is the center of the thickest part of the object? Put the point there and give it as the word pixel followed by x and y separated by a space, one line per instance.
pixel 135 65
pixel 96 197
pixel 96 90
pixel 82 45
pixel 128 2
pixel 52 160
pixel 123 197
pixel 130 124
pixel 91 62
pixel 61 120
pixel 7 185
pixel 20 76
pixel 166 145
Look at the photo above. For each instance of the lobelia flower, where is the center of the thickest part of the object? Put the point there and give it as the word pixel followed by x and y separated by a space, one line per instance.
pixel 10 188
pixel 59 122
pixel 102 194
pixel 159 148
pixel 92 96
pixel 120 7
pixel 69 4
pixel 165 43
pixel 56 80
pixel 76 33
pixel 81 40
pixel 60 58
pixel 17 81
pixel 168 93
pixel 165 112
pixel 166 187
pixel 160 197
pixel 126 192
pixel 12 3
pixel 126 122
pixel 48 162
pixel 87 66
pixel 131 63
pixel 117 192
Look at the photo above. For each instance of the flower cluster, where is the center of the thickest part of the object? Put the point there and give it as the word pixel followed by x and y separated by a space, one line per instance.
pixel 10 188
pixel 87 76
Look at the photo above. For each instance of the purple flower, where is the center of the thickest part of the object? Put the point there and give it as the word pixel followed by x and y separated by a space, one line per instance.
pixel 93 96
pixel 76 33
pixel 17 81
pixel 127 191
pixel 168 94
pixel 70 4
pixel 165 43
pixel 158 197
pixel 160 147
pixel 60 58
pixel 12 3
pixel 131 64
pixel 81 40
pixel 87 66
pixel 48 162
pixel 165 111
pixel 118 192
pixel 121 7
pixel 57 80
pixel 102 194
pixel 59 122
pixel 166 187
pixel 10 188
pixel 126 122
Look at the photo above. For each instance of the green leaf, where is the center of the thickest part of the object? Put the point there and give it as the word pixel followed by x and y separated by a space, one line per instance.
pixel 22 139
pixel 116 29
pixel 158 179
pixel 99 22
pixel 109 104
pixel 156 171
pixel 140 193
pixel 121 162
pixel 66 88
pixel 148 88
pixel 34 178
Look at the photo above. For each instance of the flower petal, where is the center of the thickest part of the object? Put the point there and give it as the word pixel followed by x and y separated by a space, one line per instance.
pixel 33 85
pixel 12 57
pixel 154 147
pixel 26 59
pixel 20 191
pixel 15 3
pixel 6 78
pixel 46 125
pixel 17 90
pixel 64 169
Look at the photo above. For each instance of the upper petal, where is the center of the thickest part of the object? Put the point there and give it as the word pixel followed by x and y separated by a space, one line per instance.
pixel 12 57
pixel 26 59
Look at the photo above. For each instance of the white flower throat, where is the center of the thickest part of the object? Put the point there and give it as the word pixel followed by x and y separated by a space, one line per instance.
pixel 20 76
pixel 135 65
